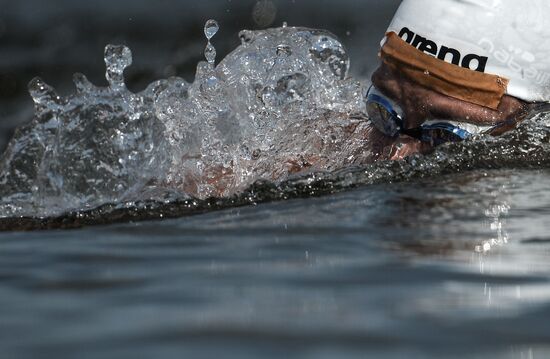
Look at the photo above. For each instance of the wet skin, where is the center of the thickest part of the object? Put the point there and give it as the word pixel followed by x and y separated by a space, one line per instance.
pixel 420 104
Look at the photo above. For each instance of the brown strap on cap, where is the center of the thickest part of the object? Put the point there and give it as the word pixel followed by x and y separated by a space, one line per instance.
pixel 448 79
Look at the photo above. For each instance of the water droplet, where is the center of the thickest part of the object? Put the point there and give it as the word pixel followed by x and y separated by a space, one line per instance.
pixel 210 53
pixel 285 24
pixel 211 28
pixel 117 58
pixel 284 50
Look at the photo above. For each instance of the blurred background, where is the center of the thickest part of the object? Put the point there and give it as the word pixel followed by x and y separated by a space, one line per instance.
pixel 55 38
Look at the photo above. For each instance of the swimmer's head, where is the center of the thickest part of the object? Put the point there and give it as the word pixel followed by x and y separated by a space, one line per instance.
pixel 480 62
pixel 506 39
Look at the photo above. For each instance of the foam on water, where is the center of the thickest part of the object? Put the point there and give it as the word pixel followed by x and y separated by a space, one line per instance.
pixel 281 104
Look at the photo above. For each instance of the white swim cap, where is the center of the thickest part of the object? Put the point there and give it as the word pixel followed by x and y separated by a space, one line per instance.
pixel 507 38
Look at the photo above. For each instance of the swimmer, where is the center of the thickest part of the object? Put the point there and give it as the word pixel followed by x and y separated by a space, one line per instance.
pixel 450 69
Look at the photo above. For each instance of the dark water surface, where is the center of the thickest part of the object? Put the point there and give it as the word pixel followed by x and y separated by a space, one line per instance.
pixel 450 267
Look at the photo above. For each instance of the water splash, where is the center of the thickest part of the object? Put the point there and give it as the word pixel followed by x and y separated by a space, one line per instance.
pixel 280 105
pixel 273 100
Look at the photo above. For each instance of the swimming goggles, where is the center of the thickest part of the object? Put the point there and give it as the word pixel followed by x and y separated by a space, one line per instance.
pixel 389 119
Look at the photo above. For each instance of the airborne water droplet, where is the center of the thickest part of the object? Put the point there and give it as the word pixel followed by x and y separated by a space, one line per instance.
pixel 117 58
pixel 211 28
pixel 210 53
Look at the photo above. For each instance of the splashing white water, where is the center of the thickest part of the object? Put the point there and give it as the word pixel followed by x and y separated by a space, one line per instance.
pixel 280 104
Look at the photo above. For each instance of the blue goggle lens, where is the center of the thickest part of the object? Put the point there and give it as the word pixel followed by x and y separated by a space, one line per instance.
pixel 382 114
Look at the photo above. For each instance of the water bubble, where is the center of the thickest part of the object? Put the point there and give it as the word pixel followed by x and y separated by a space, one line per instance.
pixel 211 28
pixel 117 58
pixel 285 24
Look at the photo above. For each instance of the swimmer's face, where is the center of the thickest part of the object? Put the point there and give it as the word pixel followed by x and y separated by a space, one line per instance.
pixel 420 104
